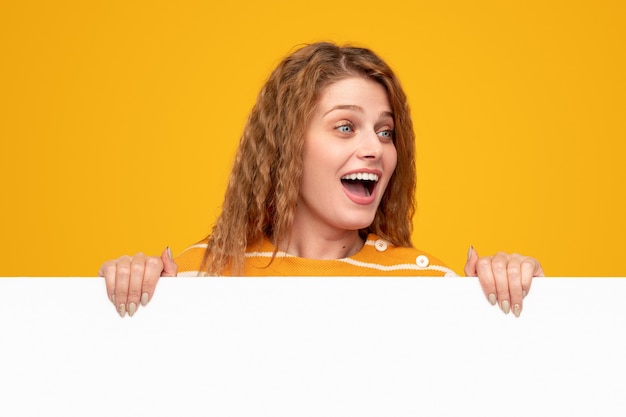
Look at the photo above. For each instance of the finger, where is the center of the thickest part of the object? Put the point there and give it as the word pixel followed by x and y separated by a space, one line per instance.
pixel 500 274
pixel 486 279
pixel 530 268
pixel 170 268
pixel 470 265
pixel 538 270
pixel 514 273
pixel 137 269
pixel 154 270
pixel 107 271
pixel 122 279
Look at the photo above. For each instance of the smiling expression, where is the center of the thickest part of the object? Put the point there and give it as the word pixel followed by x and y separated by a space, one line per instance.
pixel 349 157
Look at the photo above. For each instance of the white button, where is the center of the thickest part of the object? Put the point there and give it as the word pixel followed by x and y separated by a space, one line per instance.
pixel 380 245
pixel 422 261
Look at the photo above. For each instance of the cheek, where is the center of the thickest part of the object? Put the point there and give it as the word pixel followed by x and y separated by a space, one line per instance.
pixel 316 164
pixel 391 159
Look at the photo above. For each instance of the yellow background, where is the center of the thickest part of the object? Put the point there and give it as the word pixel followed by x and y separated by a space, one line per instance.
pixel 119 121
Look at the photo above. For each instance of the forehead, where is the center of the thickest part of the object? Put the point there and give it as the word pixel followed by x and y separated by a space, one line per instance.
pixel 354 91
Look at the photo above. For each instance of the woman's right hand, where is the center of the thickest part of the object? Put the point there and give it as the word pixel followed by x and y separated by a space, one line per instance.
pixel 131 280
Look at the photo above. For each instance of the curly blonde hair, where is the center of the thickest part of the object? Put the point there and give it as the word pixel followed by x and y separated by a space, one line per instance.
pixel 264 184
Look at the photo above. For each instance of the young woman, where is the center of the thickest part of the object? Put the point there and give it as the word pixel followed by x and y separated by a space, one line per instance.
pixel 323 183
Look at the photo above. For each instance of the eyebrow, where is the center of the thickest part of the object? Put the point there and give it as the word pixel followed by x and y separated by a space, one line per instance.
pixel 355 108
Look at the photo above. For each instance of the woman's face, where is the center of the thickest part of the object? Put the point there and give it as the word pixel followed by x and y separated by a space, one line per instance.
pixel 349 156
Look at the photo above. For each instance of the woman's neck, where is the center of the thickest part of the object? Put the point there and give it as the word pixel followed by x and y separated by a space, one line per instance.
pixel 315 245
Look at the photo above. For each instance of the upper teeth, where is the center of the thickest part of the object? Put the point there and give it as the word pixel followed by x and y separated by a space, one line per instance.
pixel 361 176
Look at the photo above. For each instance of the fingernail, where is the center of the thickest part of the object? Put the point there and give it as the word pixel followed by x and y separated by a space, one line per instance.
pixel 517 309
pixel 492 299
pixel 523 293
pixel 132 308
pixel 506 307
pixel 121 310
pixel 113 299
pixel 169 252
pixel 144 299
pixel 469 252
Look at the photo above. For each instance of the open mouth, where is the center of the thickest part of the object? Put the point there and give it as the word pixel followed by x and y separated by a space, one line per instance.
pixel 361 183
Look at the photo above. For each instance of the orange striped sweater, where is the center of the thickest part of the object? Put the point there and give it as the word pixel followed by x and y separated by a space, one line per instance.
pixel 376 258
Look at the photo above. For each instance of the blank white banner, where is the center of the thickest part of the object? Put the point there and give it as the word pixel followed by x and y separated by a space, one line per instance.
pixel 312 347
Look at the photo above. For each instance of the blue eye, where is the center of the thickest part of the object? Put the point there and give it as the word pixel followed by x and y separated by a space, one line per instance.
pixel 387 134
pixel 345 128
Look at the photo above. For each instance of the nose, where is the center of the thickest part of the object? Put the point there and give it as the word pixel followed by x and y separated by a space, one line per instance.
pixel 370 146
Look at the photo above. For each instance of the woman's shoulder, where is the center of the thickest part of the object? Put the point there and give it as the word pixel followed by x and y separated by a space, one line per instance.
pixel 190 260
pixel 380 255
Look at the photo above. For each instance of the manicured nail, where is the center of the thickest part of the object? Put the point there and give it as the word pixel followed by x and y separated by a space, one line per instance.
pixel 169 252
pixel 492 299
pixel 121 310
pixel 469 252
pixel 517 309
pixel 132 308
pixel 144 299
pixel 113 299
pixel 506 307
pixel 523 293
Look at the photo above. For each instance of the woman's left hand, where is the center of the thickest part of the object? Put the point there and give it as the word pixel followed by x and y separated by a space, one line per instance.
pixel 505 278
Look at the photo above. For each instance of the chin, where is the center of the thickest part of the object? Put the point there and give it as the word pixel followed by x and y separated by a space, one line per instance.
pixel 355 224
